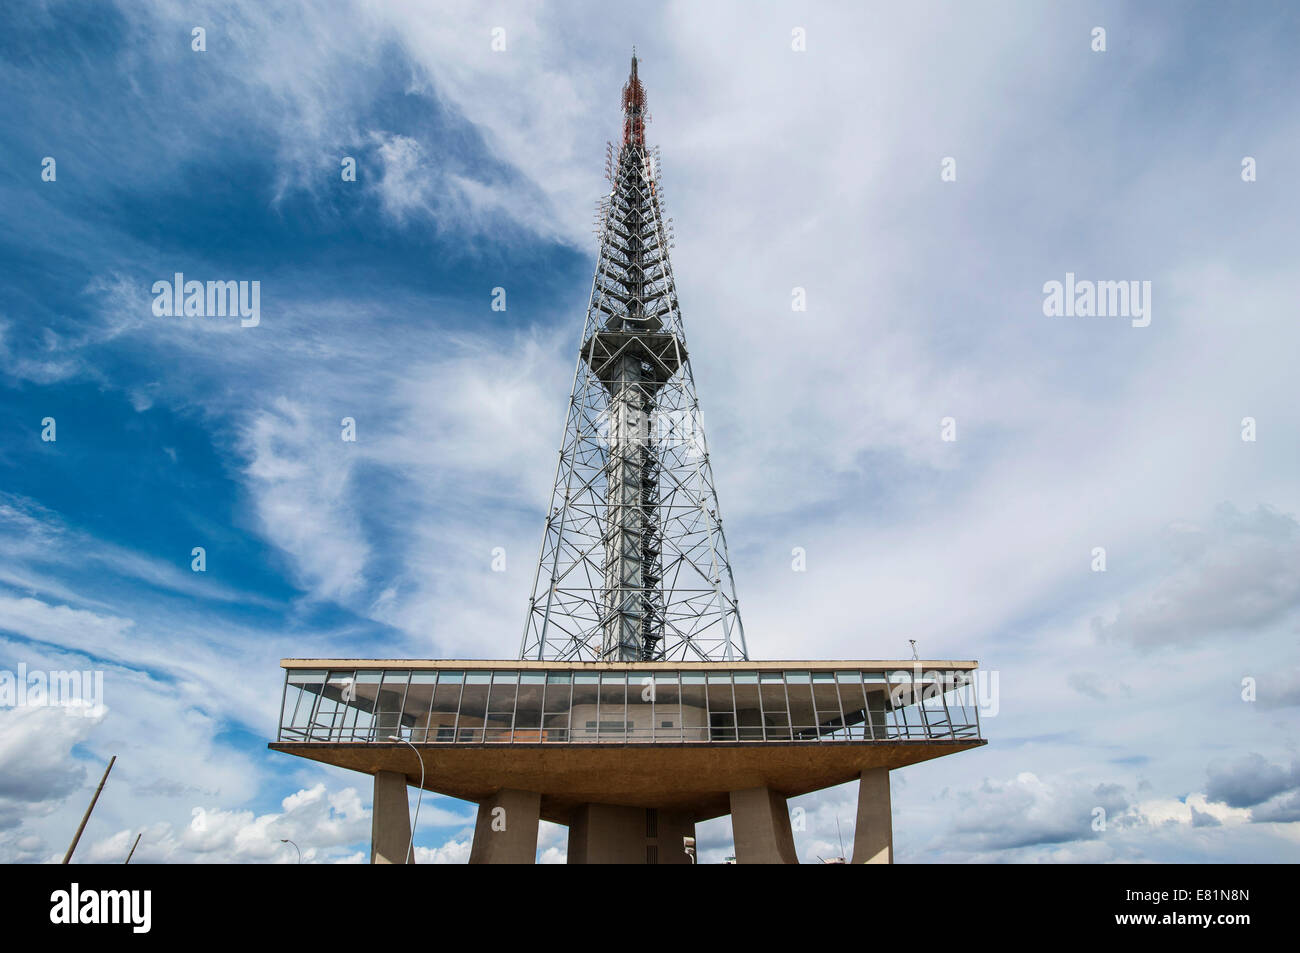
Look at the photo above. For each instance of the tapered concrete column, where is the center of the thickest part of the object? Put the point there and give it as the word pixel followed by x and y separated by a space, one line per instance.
pixel 760 826
pixel 390 820
pixel 506 829
pixel 873 838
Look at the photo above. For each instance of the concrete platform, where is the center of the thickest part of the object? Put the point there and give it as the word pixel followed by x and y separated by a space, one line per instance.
pixel 693 779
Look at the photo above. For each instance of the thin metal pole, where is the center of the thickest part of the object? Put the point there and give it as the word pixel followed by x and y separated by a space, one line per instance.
pixel 133 847
pixel 284 694
pixel 844 718
pixel 866 711
pixel 410 849
pixel 82 826
pixel 943 697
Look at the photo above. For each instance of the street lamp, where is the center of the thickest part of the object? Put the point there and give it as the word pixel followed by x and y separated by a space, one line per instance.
pixel 688 845
pixel 410 850
pixel 285 840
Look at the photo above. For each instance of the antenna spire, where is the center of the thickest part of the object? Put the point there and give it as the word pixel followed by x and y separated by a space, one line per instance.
pixel 634 114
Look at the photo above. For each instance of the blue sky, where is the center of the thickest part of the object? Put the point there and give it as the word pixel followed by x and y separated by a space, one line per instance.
pixel 815 169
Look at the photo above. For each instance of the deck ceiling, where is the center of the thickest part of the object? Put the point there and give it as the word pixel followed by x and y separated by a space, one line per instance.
pixel 693 778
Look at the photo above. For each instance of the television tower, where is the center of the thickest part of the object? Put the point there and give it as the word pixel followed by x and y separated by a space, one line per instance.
pixel 633 590
pixel 633 564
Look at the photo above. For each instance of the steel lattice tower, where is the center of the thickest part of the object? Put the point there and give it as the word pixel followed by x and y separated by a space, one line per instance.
pixel 633 563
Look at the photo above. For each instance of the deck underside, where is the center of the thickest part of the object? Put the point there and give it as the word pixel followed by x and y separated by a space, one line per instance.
pixel 692 778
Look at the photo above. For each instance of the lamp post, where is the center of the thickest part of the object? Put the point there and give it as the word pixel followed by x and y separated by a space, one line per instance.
pixel 285 840
pixel 410 850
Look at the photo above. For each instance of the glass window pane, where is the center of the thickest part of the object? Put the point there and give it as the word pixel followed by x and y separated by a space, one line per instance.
pixel 582 716
pixel 959 703
pixel 388 707
pixel 446 702
pixel 855 704
pixel 559 695
pixel 332 710
pixel 722 708
pixel 415 710
pixel 365 688
pixel 640 706
pixel 829 721
pixel 323 721
pixel 749 717
pixel 667 707
pixel 301 676
pixel 803 717
pixel 505 688
pixel 367 684
pixel 473 706
pixel 342 686
pixel 877 711
pixel 613 714
pixel 695 718
pixel 776 716
pixel 309 686
pixel 339 681
pixel 305 707
pixel 528 707
pixel 292 695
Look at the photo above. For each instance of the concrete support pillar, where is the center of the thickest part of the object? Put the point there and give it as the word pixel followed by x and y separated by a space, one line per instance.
pixel 607 834
pixel 506 829
pixel 760 826
pixel 873 838
pixel 611 834
pixel 390 820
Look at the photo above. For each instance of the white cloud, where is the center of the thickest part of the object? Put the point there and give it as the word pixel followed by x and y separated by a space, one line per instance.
pixel 302 471
pixel 1237 578
pixel 452 852
pixel 322 823
pixel 35 773
pixel 406 182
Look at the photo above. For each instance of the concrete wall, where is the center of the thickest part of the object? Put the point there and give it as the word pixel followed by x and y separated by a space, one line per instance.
pixel 610 834
pixel 694 721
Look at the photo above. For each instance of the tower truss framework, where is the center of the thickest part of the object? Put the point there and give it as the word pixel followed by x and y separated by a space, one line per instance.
pixel 633 563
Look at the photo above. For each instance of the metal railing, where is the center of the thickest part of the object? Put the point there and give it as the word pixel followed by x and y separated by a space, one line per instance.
pixel 574 707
